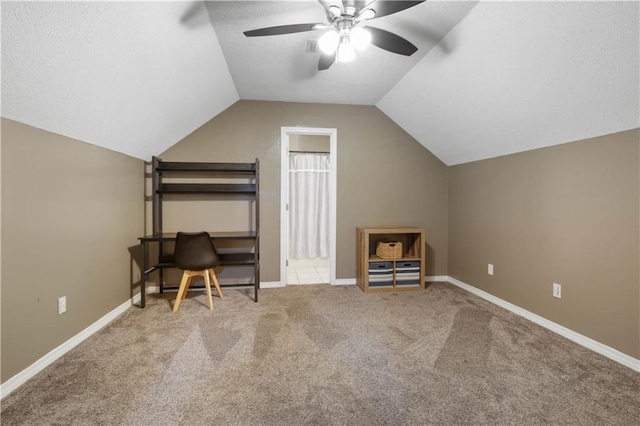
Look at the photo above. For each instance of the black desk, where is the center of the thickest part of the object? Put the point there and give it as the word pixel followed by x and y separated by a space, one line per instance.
pixel 227 258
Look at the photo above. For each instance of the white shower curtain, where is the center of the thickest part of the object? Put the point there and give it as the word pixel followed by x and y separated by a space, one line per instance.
pixel 308 205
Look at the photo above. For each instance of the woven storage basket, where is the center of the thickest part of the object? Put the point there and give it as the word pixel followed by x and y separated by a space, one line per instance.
pixel 389 250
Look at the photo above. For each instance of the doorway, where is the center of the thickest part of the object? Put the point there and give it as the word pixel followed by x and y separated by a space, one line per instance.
pixel 308 181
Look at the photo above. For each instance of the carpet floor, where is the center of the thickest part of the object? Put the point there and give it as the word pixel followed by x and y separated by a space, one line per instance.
pixel 327 355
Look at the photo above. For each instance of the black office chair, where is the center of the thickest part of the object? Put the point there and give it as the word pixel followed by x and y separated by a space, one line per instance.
pixel 195 254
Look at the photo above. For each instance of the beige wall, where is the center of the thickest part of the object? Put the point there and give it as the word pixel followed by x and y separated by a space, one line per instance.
pixel 384 176
pixel 71 212
pixel 566 214
pixel 315 143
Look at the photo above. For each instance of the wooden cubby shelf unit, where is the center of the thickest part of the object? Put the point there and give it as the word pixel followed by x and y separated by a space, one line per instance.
pixel 376 274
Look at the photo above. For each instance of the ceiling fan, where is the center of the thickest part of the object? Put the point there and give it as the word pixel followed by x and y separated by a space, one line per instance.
pixel 345 30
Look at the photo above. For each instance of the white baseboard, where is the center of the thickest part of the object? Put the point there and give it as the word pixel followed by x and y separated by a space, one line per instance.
pixel 436 278
pixel 578 338
pixel 16 381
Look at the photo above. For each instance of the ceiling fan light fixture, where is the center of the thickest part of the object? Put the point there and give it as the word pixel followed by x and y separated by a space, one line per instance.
pixel 346 52
pixel 328 42
pixel 360 38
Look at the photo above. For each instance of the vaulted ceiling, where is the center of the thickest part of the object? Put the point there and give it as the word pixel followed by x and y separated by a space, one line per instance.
pixel 488 79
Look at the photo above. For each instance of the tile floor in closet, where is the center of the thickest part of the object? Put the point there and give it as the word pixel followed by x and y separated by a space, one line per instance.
pixel 308 271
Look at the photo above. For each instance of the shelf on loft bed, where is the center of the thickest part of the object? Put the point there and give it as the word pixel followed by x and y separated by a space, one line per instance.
pixel 207 188
pixel 172 166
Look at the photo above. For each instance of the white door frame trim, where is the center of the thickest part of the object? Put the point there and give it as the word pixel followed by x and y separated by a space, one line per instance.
pixel 284 195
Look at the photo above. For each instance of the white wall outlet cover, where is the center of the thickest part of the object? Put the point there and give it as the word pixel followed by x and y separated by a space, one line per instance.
pixel 490 269
pixel 62 305
pixel 557 290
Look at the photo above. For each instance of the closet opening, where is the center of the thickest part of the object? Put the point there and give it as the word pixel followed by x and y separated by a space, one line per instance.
pixel 308 195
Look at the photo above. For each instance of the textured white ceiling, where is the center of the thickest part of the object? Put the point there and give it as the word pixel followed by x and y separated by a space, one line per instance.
pixel 489 79
pixel 524 76
pixel 128 76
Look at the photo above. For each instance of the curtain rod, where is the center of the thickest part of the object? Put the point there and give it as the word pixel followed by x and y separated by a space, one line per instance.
pixel 309 152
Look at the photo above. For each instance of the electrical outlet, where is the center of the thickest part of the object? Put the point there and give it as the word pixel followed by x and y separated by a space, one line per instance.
pixel 557 290
pixel 490 269
pixel 62 305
